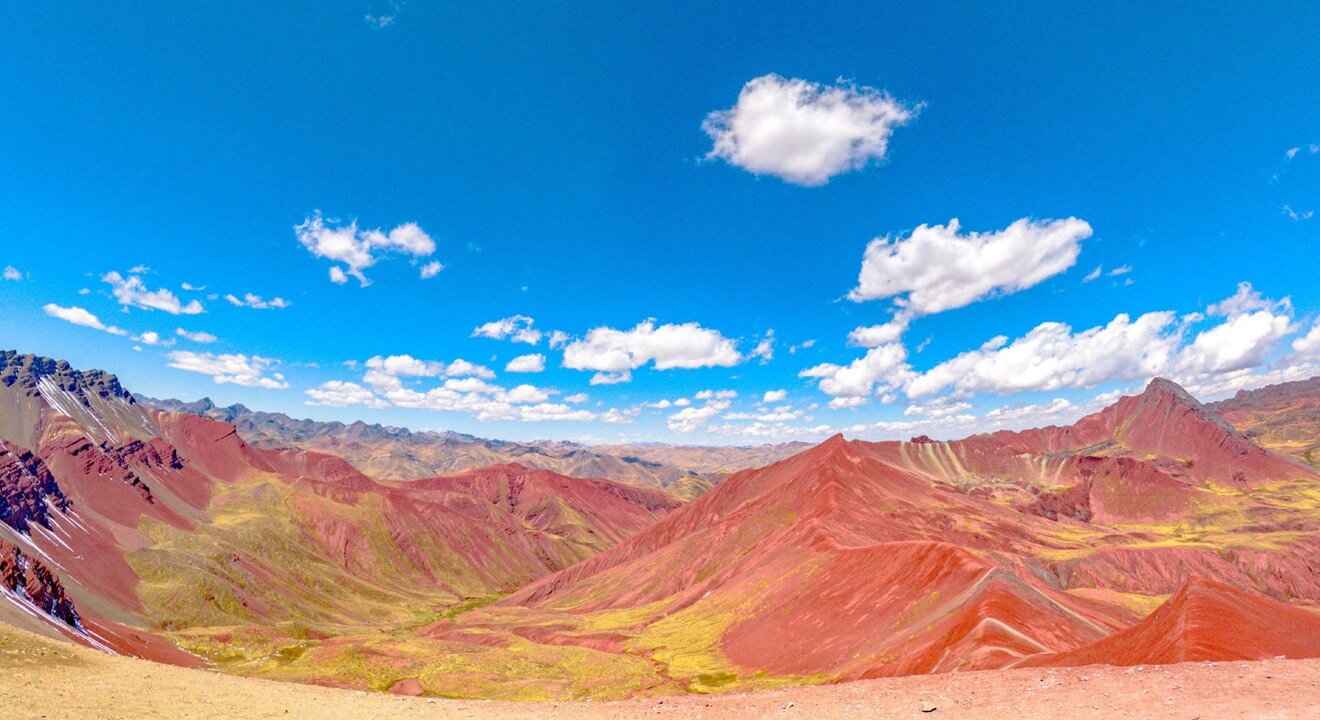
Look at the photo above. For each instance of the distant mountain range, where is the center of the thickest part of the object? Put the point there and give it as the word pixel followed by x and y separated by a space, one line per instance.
pixel 392 453
pixel 1153 531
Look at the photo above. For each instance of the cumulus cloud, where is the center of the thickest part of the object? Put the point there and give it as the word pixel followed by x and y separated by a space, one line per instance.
pixel 256 302
pixel 517 328
pixel 431 269
pixel 358 249
pixel 938 409
pixel 337 393
pixel 197 337
pixel 765 349
pixel 937 268
pixel 774 396
pixel 1309 344
pixel 876 335
pixel 12 273
pixel 130 291
pixel 470 394
pixel 690 419
pixel 858 379
pixel 79 316
pixel 804 132
pixel 615 353
pixel 384 372
pixel 1248 330
pixel 237 369
pixel 149 337
pixel 1033 414
pixel 533 363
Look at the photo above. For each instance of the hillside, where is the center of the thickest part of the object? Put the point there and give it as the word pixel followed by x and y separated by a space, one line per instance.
pixel 398 454
pixel 1150 531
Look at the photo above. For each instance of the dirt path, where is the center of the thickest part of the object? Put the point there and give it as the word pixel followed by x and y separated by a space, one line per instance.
pixel 46 679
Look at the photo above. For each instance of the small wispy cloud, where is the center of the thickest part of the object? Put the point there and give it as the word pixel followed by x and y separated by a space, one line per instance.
pixel 385 19
pixel 1298 215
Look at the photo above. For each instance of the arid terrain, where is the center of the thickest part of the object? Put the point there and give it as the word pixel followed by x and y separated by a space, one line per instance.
pixel 58 681
pixel 1151 532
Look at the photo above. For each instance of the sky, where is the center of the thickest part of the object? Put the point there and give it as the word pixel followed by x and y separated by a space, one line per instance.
pixel 729 223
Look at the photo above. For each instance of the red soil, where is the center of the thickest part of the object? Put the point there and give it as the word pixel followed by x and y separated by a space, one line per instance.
pixel 1205 620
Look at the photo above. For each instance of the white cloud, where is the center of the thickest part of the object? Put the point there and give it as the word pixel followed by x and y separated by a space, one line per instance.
pixel 682 402
pixel 79 316
pixel 533 363
pixel 238 369
pixel 793 349
pixel 192 288
pixel 716 395
pixel 1036 415
pixel 1240 342
pixel 383 372
pixel 856 380
pixel 1246 300
pixel 12 273
pixel 611 378
pixel 690 419
pixel 517 328
pixel 463 368
pixel 575 398
pixel 357 249
pixel 804 132
pixel 431 269
pixel 778 415
pixel 1312 148
pixel 936 269
pixel 1121 270
pixel 615 353
pixel 1052 356
pixel 149 337
pixel 132 292
pixel 1309 344
pixel 1298 214
pixel 197 337
pixel 765 349
pixel 559 338
pixel 615 416
pixel 937 409
pixel 384 20
pixel 877 335
pixel 256 302
pixel 1094 274
pixel 337 393
pixel 774 396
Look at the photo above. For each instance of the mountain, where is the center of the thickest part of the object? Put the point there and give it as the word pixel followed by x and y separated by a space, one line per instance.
pixel 1205 620
pixel 1151 531
pixel 1284 417
pixel 128 528
pixel 398 454
pixel 856 559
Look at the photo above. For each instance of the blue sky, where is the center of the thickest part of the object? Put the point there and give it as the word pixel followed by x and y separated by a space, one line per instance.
pixel 716 171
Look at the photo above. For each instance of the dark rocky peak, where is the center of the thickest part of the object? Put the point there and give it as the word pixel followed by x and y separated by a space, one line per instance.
pixel 26 372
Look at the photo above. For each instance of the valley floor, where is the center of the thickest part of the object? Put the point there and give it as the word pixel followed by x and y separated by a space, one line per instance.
pixel 40 678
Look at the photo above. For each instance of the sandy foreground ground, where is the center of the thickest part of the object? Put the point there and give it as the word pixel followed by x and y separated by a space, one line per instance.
pixel 41 678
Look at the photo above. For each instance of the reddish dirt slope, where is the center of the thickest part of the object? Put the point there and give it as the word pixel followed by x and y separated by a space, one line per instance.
pixel 1205 620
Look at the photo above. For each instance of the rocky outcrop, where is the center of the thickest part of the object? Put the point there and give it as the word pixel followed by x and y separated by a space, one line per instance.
pixel 28 491
pixel 29 579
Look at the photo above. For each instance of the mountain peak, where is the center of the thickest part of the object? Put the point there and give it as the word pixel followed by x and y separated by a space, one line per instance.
pixel 1167 386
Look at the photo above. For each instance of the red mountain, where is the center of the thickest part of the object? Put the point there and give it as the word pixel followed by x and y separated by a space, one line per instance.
pixel 858 559
pixel 121 522
pixel 1205 620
